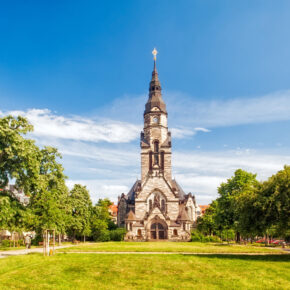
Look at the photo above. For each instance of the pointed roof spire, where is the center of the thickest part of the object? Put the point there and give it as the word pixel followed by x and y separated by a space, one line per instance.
pixel 155 97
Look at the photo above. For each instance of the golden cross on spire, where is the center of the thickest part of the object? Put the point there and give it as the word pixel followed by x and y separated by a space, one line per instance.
pixel 154 52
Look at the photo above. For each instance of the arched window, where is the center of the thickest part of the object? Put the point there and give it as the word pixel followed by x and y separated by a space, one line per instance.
pixel 163 205
pixel 156 152
pixel 150 204
pixel 156 146
pixel 175 232
pixel 139 233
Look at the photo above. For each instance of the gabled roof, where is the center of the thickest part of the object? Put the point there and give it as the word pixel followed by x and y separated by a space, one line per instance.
pixel 181 193
pixel 131 193
pixel 183 216
pixel 131 216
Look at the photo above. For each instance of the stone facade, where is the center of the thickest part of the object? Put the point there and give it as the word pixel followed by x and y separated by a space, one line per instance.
pixel 156 207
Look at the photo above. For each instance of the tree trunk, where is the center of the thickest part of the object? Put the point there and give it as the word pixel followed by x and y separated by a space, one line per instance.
pixel 59 239
pixel 238 237
pixel 267 239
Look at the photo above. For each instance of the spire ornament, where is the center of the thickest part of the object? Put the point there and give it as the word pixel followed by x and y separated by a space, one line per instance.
pixel 154 52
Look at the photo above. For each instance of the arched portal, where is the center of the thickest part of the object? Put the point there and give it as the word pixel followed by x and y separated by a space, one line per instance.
pixel 158 231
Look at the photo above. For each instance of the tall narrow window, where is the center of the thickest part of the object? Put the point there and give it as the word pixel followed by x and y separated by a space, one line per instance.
pixel 163 205
pixel 150 161
pixel 156 146
pixel 156 158
pixel 150 204
pixel 156 152
pixel 162 160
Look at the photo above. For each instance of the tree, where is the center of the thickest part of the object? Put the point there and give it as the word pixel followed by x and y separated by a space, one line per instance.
pixel 100 220
pixel 227 216
pixel 206 224
pixel 19 157
pixel 49 194
pixel 275 198
pixel 13 215
pixel 81 210
pixel 35 171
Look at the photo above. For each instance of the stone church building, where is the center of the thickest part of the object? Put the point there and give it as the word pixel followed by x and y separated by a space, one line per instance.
pixel 156 207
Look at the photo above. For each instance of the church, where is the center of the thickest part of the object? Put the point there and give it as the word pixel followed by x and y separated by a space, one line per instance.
pixel 156 207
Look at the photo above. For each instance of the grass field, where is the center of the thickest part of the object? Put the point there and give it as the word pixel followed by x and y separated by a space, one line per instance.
pixel 194 247
pixel 106 271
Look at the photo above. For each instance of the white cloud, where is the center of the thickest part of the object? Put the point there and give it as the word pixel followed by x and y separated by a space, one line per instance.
pixel 49 124
pixel 102 188
pixel 218 113
pixel 202 172
pixel 180 133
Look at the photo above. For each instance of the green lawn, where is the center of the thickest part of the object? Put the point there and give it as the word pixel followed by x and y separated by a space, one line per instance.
pixel 194 247
pixel 106 271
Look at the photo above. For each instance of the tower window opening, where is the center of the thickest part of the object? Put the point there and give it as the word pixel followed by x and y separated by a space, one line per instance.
pixel 156 147
pixel 156 158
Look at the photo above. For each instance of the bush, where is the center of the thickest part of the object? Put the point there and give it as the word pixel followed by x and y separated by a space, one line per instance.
pixel 101 235
pixel 199 237
pixel 37 240
pixel 5 243
pixel 117 234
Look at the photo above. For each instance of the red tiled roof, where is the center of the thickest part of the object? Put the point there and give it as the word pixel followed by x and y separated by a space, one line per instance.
pixel 204 208
pixel 114 209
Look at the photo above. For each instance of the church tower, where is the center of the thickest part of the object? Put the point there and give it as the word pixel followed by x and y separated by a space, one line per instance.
pixel 155 138
pixel 156 207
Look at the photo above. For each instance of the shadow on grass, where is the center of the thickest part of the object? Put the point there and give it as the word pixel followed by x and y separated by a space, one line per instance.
pixel 252 257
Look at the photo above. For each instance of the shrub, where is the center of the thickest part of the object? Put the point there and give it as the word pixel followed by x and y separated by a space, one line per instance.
pixel 117 234
pixel 36 240
pixel 102 235
pixel 199 237
pixel 5 243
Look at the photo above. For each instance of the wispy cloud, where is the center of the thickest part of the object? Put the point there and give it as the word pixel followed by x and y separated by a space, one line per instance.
pixel 239 111
pixel 47 123
pixel 188 112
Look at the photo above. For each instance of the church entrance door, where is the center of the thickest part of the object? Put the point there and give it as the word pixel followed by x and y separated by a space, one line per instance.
pixel 158 232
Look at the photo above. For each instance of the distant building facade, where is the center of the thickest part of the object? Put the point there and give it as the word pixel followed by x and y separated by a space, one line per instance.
pixel 113 210
pixel 156 207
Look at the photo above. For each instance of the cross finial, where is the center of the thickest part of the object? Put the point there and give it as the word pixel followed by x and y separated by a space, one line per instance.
pixel 154 52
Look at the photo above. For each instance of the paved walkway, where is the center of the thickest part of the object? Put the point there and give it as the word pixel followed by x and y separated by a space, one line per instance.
pixel 174 253
pixel 4 254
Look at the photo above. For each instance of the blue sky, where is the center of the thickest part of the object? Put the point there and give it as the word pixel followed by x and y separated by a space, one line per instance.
pixel 80 71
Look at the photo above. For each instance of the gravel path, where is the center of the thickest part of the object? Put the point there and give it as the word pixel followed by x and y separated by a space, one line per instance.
pixel 173 253
pixel 4 254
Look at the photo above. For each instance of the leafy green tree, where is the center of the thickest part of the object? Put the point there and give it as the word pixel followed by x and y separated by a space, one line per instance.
pixel 100 220
pixel 207 223
pixel 275 199
pixel 227 214
pixel 14 216
pixel 49 194
pixel 19 157
pixel 81 210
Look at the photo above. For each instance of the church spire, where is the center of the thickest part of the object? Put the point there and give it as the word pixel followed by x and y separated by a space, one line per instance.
pixel 155 96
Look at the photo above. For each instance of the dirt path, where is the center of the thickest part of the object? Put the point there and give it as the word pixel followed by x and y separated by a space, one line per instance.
pixel 174 253
pixel 4 254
